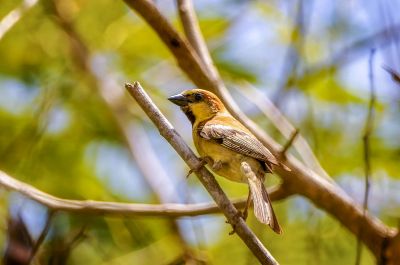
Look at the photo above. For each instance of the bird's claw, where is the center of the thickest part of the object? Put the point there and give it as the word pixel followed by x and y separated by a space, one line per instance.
pixel 233 228
pixel 191 172
pixel 203 162
pixel 217 165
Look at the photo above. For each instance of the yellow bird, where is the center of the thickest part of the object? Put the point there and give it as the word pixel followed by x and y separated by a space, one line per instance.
pixel 230 149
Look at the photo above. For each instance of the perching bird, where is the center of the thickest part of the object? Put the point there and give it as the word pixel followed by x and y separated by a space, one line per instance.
pixel 229 148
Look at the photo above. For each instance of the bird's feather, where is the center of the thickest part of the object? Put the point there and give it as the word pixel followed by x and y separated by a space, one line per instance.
pixel 262 204
pixel 236 140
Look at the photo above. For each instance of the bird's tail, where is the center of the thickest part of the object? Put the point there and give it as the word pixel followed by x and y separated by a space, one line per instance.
pixel 262 204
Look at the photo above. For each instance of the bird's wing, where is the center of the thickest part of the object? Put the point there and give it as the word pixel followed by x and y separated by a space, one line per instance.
pixel 237 140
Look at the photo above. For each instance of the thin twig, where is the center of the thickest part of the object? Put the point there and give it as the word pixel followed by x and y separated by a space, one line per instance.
pixel 395 75
pixel 290 142
pixel 368 131
pixel 121 209
pixel 367 149
pixel 78 237
pixel 284 126
pixel 14 16
pixel 207 179
pixel 42 235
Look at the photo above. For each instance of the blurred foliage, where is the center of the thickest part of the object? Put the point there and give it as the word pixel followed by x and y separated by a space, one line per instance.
pixel 60 133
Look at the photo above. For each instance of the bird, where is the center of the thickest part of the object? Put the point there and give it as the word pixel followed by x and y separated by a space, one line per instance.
pixel 229 149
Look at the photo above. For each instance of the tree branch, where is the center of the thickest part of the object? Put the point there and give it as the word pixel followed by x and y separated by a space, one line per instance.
pixel 292 55
pixel 395 75
pixel 300 179
pixel 42 235
pixel 289 142
pixel 283 125
pixel 206 178
pixel 193 34
pixel 121 209
pixel 14 16
pixel 367 149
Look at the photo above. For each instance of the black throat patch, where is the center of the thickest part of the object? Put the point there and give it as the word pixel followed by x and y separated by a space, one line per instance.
pixel 188 112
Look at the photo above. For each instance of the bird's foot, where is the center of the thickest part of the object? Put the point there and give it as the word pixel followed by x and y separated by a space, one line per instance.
pixel 203 161
pixel 217 165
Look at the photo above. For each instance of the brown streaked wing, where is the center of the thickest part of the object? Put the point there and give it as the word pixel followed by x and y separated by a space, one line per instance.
pixel 237 140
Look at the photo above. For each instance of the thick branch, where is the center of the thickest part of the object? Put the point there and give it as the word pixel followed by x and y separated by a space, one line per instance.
pixel 206 178
pixel 192 28
pixel 300 179
pixel 121 209
pixel 193 34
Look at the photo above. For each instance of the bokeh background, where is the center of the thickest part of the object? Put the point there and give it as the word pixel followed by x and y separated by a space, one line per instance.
pixel 68 127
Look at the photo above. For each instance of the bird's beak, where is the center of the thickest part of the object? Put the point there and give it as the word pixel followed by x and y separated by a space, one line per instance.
pixel 179 100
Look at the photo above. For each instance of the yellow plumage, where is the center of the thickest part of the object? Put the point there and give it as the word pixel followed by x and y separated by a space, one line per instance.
pixel 229 148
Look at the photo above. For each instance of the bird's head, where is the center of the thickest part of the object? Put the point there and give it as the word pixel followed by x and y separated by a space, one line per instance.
pixel 198 104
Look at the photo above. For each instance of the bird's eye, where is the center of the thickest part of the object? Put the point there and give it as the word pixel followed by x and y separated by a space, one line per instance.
pixel 198 97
